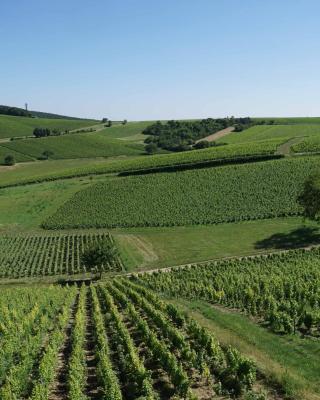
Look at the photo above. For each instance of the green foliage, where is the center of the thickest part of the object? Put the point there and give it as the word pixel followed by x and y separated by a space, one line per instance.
pixel 180 135
pixel 47 153
pixel 14 111
pixel 28 315
pixel 18 157
pixel 151 148
pixel 309 198
pixel 202 196
pixel 9 160
pixel 307 145
pixel 100 255
pixel 77 366
pixel 41 132
pixel 281 289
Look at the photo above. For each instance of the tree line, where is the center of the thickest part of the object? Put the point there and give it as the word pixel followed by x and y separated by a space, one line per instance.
pixel 183 135
pixel 15 111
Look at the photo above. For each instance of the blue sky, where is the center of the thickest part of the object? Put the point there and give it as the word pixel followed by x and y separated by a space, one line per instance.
pixel 152 59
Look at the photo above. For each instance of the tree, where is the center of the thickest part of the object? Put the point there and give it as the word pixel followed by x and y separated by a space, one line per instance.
pixel 9 160
pixel 309 199
pixel 124 122
pixel 47 153
pixel 203 144
pixel 41 132
pixel 99 255
pixel 151 148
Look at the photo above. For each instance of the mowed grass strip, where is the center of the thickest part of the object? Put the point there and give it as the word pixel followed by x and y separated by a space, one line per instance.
pixel 148 248
pixel 75 146
pixel 11 126
pixel 206 196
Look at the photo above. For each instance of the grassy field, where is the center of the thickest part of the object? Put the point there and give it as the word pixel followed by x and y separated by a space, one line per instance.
pixel 75 146
pixel 146 248
pixel 129 131
pixel 196 197
pixel 291 361
pixel 19 157
pixel 26 206
pixel 11 126
pixel 266 132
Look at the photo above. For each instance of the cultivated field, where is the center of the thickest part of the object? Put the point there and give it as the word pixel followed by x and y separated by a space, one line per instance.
pixel 178 312
pixel 75 146
pixel 265 132
pixel 11 126
pixel 43 171
pixel 49 254
pixel 202 196
pixel 117 340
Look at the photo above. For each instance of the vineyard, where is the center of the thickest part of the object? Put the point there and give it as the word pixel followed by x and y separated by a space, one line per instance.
pixel 308 145
pixel 266 132
pixel 37 255
pixel 206 196
pixel 75 146
pixel 114 341
pixel 281 290
pixel 11 126
pixel 32 173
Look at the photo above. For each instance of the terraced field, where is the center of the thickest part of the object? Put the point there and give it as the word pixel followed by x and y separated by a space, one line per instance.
pixel 207 196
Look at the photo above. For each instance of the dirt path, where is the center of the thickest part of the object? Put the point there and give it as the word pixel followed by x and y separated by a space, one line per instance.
pixel 217 135
pixel 285 148
pixel 59 390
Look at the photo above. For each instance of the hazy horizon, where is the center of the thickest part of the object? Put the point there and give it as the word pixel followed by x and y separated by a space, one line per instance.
pixel 157 61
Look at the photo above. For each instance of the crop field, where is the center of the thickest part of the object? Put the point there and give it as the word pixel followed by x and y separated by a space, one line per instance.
pixel 11 126
pixel 46 255
pixel 54 170
pixel 115 341
pixel 283 290
pixel 207 196
pixel 291 120
pixel 307 145
pixel 18 157
pixel 75 146
pixel 266 132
